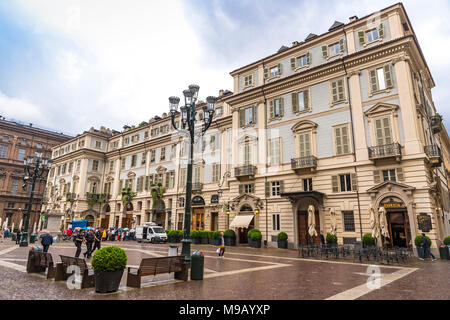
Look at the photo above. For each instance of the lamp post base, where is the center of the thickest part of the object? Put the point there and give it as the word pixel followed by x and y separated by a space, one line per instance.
pixel 186 249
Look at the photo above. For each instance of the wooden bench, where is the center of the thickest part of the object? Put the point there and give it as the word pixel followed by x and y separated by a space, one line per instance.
pixel 44 260
pixel 87 275
pixel 160 265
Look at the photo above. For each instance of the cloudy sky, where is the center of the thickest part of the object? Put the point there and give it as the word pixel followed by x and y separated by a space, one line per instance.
pixel 73 64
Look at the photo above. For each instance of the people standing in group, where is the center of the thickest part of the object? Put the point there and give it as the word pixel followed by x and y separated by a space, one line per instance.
pixel 90 237
pixel 104 235
pixel 46 241
pixel 78 239
pixel 322 238
pixel 98 235
pixel 221 244
pixel 18 236
pixel 6 233
pixel 113 234
pixel 426 249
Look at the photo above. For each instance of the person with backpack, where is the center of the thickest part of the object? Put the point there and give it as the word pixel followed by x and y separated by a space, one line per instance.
pixel 90 237
pixel 97 240
pixel 426 249
pixel 46 241
pixel 78 239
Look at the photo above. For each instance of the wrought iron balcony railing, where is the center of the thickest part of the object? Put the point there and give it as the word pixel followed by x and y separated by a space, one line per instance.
pixel 385 151
pixel 436 123
pixel 248 170
pixel 71 196
pixel 304 162
pixel 197 186
pixel 434 153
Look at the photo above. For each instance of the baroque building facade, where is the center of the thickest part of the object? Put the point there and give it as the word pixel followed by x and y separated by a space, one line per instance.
pixel 18 141
pixel 344 122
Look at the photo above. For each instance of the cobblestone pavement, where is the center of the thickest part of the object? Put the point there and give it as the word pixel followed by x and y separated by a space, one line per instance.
pixel 244 273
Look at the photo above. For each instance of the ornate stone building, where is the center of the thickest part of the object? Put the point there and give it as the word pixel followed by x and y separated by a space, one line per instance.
pixel 343 121
pixel 18 141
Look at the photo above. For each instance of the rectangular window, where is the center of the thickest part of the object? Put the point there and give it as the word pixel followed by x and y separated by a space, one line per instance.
pixel 126 141
pixel 183 174
pixel 143 158
pixel 98 144
pixel 216 172
pixel 70 167
pixel 389 175
pixel 275 152
pixel 276 188
pixel 173 151
pixel 133 160
pixel 248 81
pixel 135 138
pixel 11 205
pixel 304 144
pixel 345 182
pixel 163 154
pixel 341 139
pixel 63 171
pixel 78 165
pixel 383 131
pixel 249 188
pixel 380 79
pixel 337 91
pixel 276 108
pixel 248 116
pixel 372 35
pixel 81 143
pixel 21 154
pixel 15 186
pixel 3 150
pixel 171 179
pixel 5 138
pixel 94 165
pixel 334 49
pixel 307 185
pixel 152 155
pixel 122 163
pixel 276 222
pixel 302 61
pixel 111 165
pixel 349 221
pixel 274 71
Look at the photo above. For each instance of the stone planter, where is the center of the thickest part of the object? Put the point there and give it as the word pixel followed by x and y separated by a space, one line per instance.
pixel 196 241
pixel 204 240
pixel 108 281
pixel 214 242
pixel 230 241
pixel 282 244
pixel 254 243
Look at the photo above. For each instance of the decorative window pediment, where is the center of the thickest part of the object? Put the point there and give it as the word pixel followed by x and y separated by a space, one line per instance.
pixel 109 179
pixel 161 169
pixel 75 178
pixel 304 125
pixel 248 139
pixel 93 179
pixel 381 108
pixel 131 174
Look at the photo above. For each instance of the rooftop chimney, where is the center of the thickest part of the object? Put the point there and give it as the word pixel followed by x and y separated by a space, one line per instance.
pixel 295 43
pixel 354 18
pixel 220 92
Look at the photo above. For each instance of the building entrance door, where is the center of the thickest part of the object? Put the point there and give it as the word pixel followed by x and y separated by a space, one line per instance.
pixel 303 235
pixel 126 222
pixel 214 221
pixel 105 222
pixel 198 219
pixel 398 228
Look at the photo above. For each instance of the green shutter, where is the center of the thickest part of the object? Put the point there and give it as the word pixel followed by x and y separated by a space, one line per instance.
pixel 280 69
pixel 325 51
pixel 293 63
pixel 266 73
pixel 334 91
pixel 281 107
pixel 272 109
pixel 338 140
pixel 294 102
pixel 306 100
pixel 361 37
pixel 340 85
pixel 334 183
pixel 281 186
pixel 373 80
pixel 241 189
pixel 381 30
pixel 241 117
pixel 388 76
pixel 354 182
pixel 308 58
pixel 255 114
pixel 400 176
pixel 267 189
pixel 341 45
pixel 376 177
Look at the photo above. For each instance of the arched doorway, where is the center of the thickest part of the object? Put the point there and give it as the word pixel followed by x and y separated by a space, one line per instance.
pixel 126 221
pixel 246 209
pixel 90 220
pixel 398 223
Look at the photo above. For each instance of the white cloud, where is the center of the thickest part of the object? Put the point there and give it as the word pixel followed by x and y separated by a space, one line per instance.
pixel 19 109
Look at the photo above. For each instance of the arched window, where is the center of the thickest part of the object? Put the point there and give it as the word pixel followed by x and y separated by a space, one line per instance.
pixel 246 208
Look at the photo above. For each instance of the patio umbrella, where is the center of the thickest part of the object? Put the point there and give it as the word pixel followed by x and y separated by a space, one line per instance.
pixel 126 229
pixel 20 224
pixel 34 228
pixel 12 227
pixel 0 221
pixel 374 222
pixel 311 221
pixel 333 229
pixel 383 222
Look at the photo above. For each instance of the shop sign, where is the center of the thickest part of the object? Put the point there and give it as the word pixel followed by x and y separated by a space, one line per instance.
pixel 424 222
pixel 394 205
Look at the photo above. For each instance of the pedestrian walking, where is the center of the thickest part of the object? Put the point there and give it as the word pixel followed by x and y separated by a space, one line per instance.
pixel 78 239
pixel 18 236
pixel 322 238
pixel 46 241
pixel 90 237
pixel 426 249
pixel 98 235
pixel 6 233
pixel 221 243
pixel 104 235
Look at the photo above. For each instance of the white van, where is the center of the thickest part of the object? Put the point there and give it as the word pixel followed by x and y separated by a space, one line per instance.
pixel 151 232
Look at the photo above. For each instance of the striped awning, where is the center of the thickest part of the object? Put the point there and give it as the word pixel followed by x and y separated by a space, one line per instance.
pixel 241 221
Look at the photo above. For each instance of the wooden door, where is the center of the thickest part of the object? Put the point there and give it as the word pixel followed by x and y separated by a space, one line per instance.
pixel 214 221
pixel 105 222
pixel 126 222
pixel 303 235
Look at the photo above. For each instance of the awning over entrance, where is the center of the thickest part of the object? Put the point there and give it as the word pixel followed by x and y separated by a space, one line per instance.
pixel 241 221
pixel 294 196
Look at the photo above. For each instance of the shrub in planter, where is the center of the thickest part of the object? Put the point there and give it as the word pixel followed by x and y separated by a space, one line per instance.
pixel 210 236
pixel 447 241
pixel 254 237
pixel 108 264
pixel 170 235
pixel 368 240
pixel 180 235
pixel 282 240
pixel 204 237
pixel 195 236
pixel 230 237
pixel 214 235
pixel 418 243
pixel 332 239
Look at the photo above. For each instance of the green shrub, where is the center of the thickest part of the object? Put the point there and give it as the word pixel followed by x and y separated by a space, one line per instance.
pixel 194 234
pixel 109 259
pixel 368 240
pixel 170 233
pixel 418 241
pixel 255 235
pixel 447 241
pixel 216 234
pixel 282 236
pixel 210 234
pixel 180 234
pixel 229 233
pixel 331 238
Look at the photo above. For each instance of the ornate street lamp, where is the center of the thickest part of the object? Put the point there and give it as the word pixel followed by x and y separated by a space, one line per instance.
pixel 35 168
pixel 188 120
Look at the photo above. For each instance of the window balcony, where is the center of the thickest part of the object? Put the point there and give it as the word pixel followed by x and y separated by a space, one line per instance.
pixel 197 186
pixel 393 150
pixel 308 162
pixel 248 171
pixel 434 155
pixel 436 123
pixel 71 196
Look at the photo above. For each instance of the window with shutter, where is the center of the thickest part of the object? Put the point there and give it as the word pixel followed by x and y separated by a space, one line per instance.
pixel 334 91
pixel 293 63
pixel 383 131
pixel 354 182
pixel 361 37
pixel 241 189
pixel 373 80
pixel 325 52
pixel 387 76
pixel 266 73
pixel 295 100
pixel 340 86
pixel 381 30
pixel 376 177
pixel 334 184
pixel 341 45
pixel 338 140
pixel 305 144
pixel 242 117
pixel 400 176
pixel 306 103
pixel 281 107
pixel 267 189
pixel 274 149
